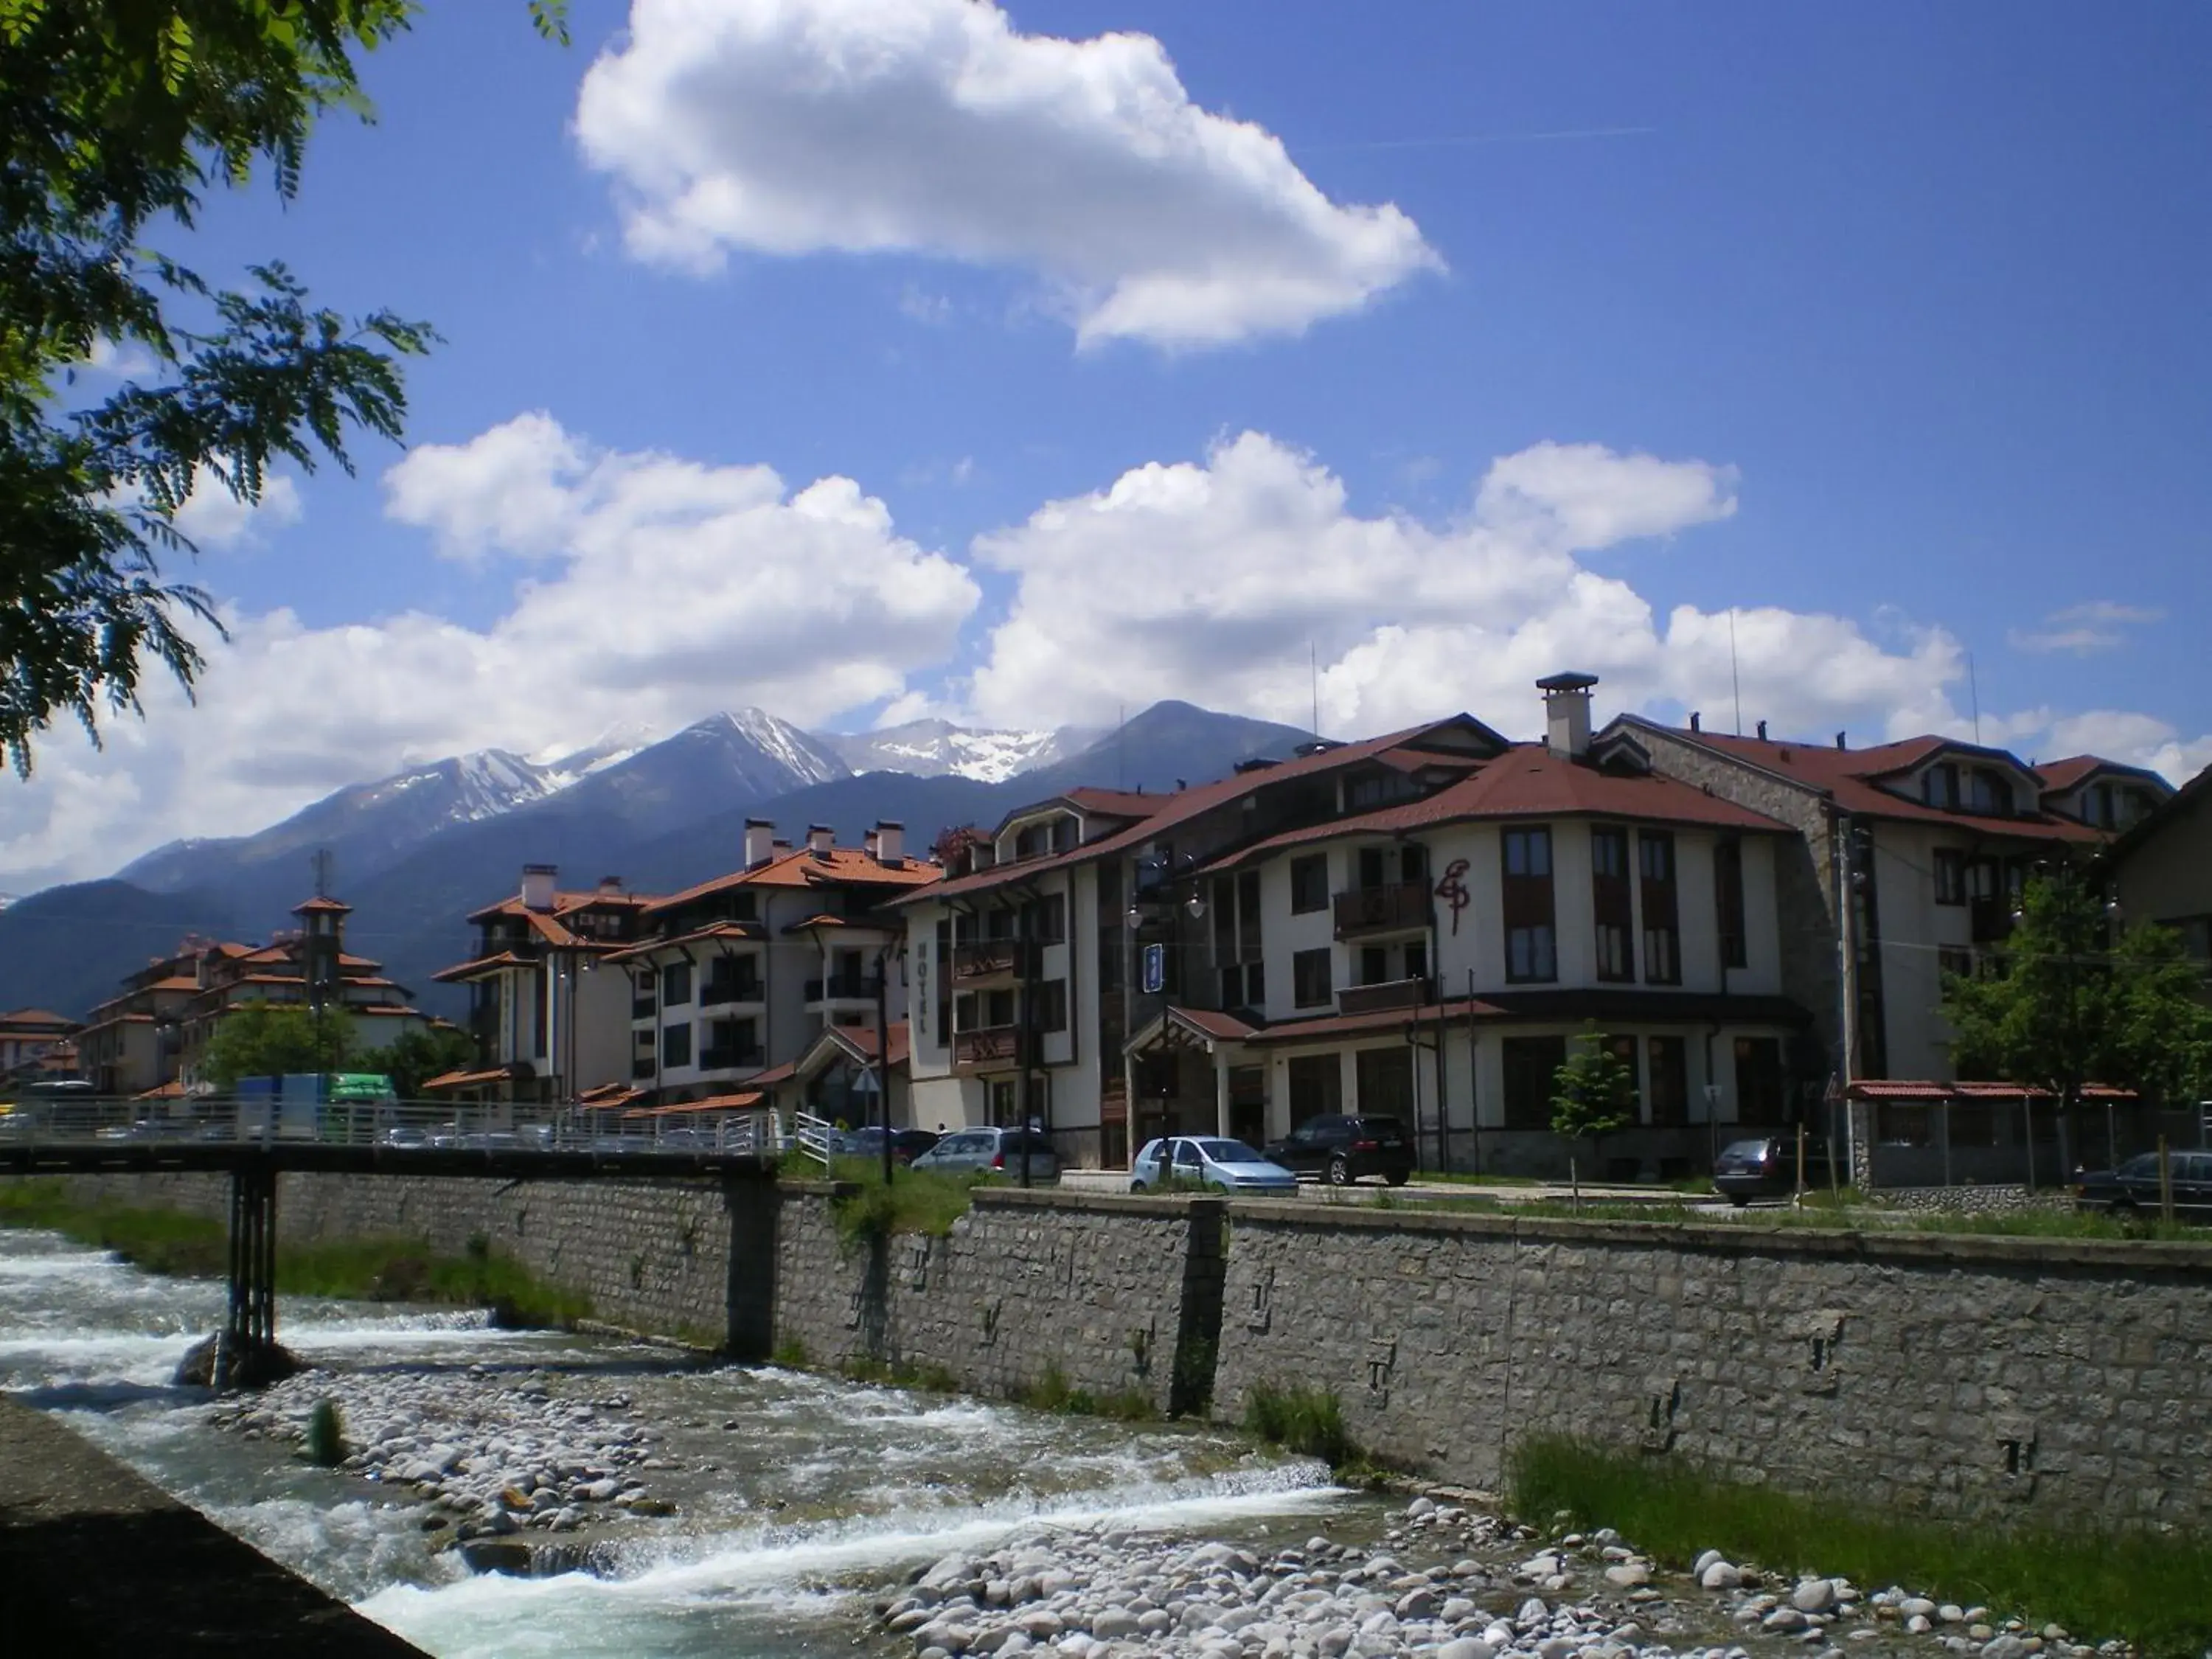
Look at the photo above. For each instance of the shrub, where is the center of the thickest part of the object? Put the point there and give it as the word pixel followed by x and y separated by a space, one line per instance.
pixel 1308 1421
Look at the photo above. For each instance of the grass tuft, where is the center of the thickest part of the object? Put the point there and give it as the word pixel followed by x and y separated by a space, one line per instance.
pixel 2153 1589
pixel 1298 1419
pixel 325 1444
pixel 919 1201
pixel 789 1355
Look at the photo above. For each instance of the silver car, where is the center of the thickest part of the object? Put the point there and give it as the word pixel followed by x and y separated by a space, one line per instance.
pixel 1228 1166
pixel 991 1151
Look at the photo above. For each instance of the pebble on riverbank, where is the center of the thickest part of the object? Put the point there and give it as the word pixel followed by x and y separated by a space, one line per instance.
pixel 493 1454
pixel 1099 1593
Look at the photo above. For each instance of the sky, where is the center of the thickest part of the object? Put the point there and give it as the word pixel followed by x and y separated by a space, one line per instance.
pixel 865 360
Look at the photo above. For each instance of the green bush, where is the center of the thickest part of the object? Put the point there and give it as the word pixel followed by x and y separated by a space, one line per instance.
pixel 2153 1589
pixel 918 1202
pixel 790 1355
pixel 325 1435
pixel 1308 1421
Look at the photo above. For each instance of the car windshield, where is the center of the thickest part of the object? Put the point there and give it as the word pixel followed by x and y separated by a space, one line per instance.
pixel 1752 1152
pixel 1387 1130
pixel 1228 1151
pixel 2142 1167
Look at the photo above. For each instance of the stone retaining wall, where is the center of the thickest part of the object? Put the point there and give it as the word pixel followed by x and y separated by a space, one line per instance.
pixel 1105 1290
pixel 1954 1375
pixel 685 1258
pixel 1946 1375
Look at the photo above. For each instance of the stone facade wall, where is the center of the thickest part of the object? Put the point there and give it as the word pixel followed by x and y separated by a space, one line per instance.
pixel 686 1259
pixel 1106 1289
pixel 1945 1375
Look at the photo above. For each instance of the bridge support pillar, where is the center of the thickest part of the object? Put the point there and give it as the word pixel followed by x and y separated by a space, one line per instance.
pixel 248 1356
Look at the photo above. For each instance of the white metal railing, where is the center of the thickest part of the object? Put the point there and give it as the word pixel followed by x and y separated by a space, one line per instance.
pixel 42 1122
pixel 814 1136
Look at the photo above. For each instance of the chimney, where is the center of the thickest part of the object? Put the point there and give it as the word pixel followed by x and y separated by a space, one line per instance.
pixel 1567 713
pixel 779 846
pixel 890 842
pixel 610 887
pixel 1694 726
pixel 1762 731
pixel 820 837
pixel 760 842
pixel 537 886
pixel 1840 744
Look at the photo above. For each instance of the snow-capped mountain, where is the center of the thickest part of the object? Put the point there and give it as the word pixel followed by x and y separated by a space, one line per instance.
pixel 932 749
pixel 610 748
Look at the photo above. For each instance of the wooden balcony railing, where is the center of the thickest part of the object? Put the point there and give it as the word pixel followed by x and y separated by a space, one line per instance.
pixel 987 958
pixel 985 1045
pixel 1390 993
pixel 1383 909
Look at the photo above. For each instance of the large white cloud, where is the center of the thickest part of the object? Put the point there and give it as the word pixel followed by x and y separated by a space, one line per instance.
pixel 933 126
pixel 1215 581
pixel 660 591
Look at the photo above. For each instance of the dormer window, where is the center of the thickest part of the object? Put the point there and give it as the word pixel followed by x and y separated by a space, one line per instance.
pixel 1992 792
pixel 1939 785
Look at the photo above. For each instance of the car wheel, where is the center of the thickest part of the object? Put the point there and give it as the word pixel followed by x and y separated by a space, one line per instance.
pixel 1340 1172
pixel 1400 1177
pixel 1741 1201
pixel 1136 1186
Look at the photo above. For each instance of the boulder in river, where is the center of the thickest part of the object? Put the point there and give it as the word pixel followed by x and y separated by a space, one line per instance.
pixel 214 1362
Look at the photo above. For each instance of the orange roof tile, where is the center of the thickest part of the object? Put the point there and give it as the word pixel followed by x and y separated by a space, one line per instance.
pixel 840 867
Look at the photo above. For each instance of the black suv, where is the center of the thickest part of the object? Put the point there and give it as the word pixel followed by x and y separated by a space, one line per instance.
pixel 1767 1168
pixel 2133 1187
pixel 1340 1150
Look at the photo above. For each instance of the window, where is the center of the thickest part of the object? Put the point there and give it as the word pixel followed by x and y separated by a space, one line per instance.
pixel 1385 1079
pixel 676 985
pixel 1316 1087
pixel 1992 792
pixel 1900 1124
pixel 1374 964
pixel 1310 985
pixel 1414 863
pixel 1950 876
pixel 1247 916
pixel 1310 884
pixel 1530 951
pixel 1971 1123
pixel 2096 805
pixel 1611 902
pixel 1371 874
pixel 1052 1006
pixel 998 1009
pixel 675 1045
pixel 1939 785
pixel 1417 959
pixel 1047 919
pixel 1662 961
pixel 1728 903
pixel 1954 962
pixel 1530 1063
pixel 965 1010
pixel 1759 1095
pixel 1666 1079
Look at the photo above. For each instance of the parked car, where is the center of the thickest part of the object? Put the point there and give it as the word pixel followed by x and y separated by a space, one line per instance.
pixel 1229 1166
pixel 406 1138
pixel 1767 1168
pixel 907 1144
pixel 2134 1186
pixel 991 1151
pixel 1339 1150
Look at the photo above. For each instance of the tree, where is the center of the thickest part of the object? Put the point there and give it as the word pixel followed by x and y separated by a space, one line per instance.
pixel 269 1039
pixel 117 116
pixel 414 1057
pixel 1593 1094
pixel 2070 1004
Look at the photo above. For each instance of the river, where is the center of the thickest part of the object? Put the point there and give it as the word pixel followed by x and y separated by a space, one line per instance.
pixel 798 1500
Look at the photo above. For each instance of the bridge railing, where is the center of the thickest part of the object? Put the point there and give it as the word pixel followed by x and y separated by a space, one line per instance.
pixel 396 1127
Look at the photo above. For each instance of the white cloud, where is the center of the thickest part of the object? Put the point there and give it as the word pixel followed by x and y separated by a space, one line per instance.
pixel 658 591
pixel 2082 629
pixel 125 362
pixel 933 127
pixel 213 517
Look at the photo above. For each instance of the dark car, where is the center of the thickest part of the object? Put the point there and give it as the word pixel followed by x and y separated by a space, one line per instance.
pixel 1767 1168
pixel 1340 1150
pixel 907 1144
pixel 2134 1186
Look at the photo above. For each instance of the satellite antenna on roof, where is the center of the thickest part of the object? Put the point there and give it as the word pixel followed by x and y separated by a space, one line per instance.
pixel 323 863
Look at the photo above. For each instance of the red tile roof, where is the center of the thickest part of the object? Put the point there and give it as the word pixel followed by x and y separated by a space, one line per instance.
pixel 481 965
pixel 841 866
pixel 718 930
pixel 737 1102
pixel 34 1018
pixel 479 1079
pixel 327 906
pixel 1849 776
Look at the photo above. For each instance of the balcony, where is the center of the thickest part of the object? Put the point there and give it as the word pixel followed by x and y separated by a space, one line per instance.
pixel 844 987
pixel 987 1045
pixel 642 1067
pixel 732 1060
pixel 720 993
pixel 1390 993
pixel 976 960
pixel 1395 908
pixel 1991 920
pixel 643 1008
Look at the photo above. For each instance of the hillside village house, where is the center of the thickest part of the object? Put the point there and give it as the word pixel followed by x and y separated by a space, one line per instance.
pixel 550 1019
pixel 152 1038
pixel 35 1042
pixel 2162 869
pixel 1380 926
pixel 732 983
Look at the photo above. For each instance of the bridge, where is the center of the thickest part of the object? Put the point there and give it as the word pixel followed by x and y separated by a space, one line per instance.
pixel 255 1143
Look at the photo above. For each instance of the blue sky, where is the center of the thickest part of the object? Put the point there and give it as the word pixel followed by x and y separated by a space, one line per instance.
pixel 1550 335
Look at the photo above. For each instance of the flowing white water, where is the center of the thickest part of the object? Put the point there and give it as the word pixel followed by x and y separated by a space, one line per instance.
pixel 798 1499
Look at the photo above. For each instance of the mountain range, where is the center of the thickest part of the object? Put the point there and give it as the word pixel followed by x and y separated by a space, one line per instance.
pixel 415 853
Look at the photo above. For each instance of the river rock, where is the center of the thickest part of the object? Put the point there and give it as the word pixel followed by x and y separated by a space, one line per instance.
pixel 1814 1596
pixel 1720 1576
